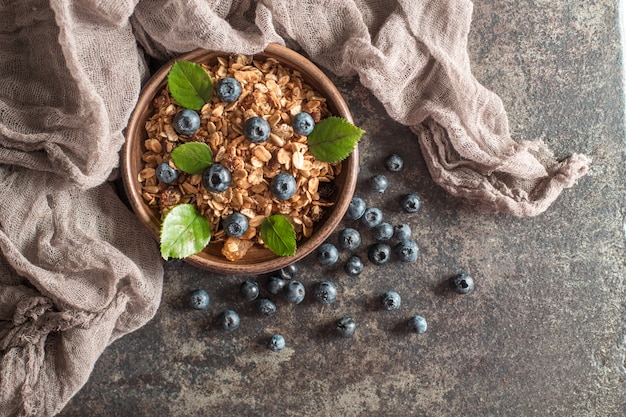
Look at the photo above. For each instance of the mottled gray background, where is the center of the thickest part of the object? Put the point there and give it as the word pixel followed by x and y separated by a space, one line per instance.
pixel 543 335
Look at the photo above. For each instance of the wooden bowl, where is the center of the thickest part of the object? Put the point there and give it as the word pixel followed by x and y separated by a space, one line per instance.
pixel 258 260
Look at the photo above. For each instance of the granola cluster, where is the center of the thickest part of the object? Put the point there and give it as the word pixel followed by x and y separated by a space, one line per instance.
pixel 274 92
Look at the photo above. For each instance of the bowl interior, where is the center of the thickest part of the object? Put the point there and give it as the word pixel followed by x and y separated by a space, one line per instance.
pixel 258 259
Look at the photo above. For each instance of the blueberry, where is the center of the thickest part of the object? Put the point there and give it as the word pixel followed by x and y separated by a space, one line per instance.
pixel 165 173
pixel 199 300
pixel 325 292
pixel 228 89
pixel 345 327
pixel 256 129
pixel 294 292
pixel 326 189
pixel 229 320
pixel 303 124
pixel 186 122
pixel 410 203
pixel 462 283
pixel 275 285
pixel 266 307
pixel 382 232
pixel 289 272
pixel 327 254
pixel 249 290
pixel 390 300
pixel 283 186
pixel 407 250
pixel 216 178
pixel 349 239
pixel 235 224
pixel 373 216
pixel 276 343
pixel 418 324
pixel 379 253
pixel 394 163
pixel 379 183
pixel 402 232
pixel 356 208
pixel 353 266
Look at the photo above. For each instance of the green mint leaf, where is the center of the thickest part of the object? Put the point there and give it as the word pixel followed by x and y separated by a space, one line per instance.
pixel 333 139
pixel 192 157
pixel 279 236
pixel 184 232
pixel 190 84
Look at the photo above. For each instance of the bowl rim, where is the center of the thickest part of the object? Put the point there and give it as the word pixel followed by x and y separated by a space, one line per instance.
pixel 202 260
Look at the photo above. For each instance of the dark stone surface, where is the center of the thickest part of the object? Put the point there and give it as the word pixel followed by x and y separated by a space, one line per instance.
pixel 543 333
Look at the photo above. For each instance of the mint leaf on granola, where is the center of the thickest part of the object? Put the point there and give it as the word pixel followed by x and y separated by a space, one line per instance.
pixel 279 235
pixel 184 232
pixel 190 84
pixel 333 139
pixel 192 157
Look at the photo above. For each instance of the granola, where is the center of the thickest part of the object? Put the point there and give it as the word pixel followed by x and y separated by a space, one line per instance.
pixel 274 92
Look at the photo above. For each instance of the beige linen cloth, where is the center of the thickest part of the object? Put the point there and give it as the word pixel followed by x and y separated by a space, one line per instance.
pixel 77 271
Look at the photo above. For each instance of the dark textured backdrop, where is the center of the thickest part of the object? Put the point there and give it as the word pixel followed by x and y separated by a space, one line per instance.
pixel 543 333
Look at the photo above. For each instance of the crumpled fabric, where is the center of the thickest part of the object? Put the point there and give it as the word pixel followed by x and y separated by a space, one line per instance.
pixel 77 271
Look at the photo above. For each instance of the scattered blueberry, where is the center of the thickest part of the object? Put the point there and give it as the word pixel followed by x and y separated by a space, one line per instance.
pixel 275 285
pixel 462 283
pixel 256 129
pixel 276 343
pixel 249 290
pixel 349 239
pixel 228 89
pixel 294 292
pixel 379 183
pixel 327 254
pixel 345 327
pixel 382 232
pixel 289 272
pixel 326 190
pixel 165 173
pixel 379 253
pixel 235 224
pixel 283 186
pixel 410 203
pixel 407 250
pixel 229 320
pixel 199 299
pixel 266 307
pixel 325 292
pixel 186 122
pixel 353 266
pixel 356 208
pixel 303 124
pixel 391 300
pixel 402 232
pixel 394 163
pixel 418 324
pixel 373 216
pixel 216 178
